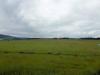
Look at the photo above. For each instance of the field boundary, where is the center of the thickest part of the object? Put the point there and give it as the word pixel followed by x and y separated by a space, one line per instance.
pixel 49 53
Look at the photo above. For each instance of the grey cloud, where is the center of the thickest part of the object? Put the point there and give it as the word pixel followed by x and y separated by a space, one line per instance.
pixel 43 18
pixel 10 23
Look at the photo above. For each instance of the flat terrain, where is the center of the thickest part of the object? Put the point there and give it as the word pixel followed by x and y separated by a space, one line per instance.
pixel 50 57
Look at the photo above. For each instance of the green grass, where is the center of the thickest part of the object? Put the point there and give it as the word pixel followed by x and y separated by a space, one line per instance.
pixel 49 57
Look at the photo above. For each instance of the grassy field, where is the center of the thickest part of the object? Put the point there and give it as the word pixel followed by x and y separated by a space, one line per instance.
pixel 50 57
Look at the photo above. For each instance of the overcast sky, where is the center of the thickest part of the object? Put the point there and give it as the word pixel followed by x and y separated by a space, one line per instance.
pixel 50 18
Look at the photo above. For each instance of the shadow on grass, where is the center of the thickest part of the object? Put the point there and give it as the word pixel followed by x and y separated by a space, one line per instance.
pixel 49 53
pixel 26 52
pixel 30 72
pixel 97 73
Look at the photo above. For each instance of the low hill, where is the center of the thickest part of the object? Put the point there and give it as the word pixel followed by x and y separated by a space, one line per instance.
pixel 9 37
pixel 6 37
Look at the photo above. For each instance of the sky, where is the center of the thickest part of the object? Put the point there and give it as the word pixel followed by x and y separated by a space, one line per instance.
pixel 50 18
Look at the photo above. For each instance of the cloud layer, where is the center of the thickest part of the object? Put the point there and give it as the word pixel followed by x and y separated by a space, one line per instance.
pixel 50 18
